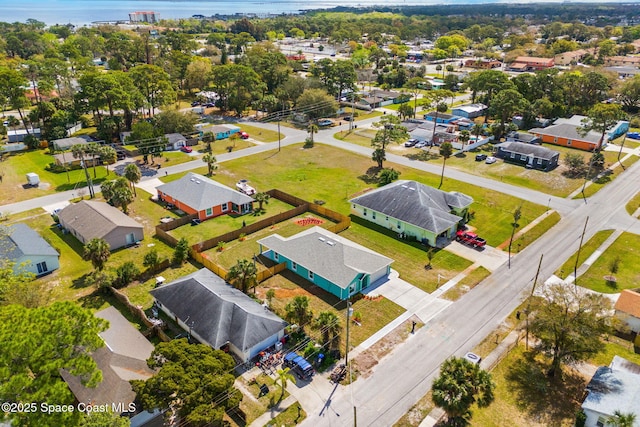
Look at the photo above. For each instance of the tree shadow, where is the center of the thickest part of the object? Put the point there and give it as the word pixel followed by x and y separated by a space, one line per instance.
pixel 423 156
pixel 548 400
pixel 80 282
pixel 371 175
pixel 314 290
pixel 93 301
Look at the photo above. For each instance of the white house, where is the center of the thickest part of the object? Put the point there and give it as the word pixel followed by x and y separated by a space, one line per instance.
pixel 28 250
pixel 628 309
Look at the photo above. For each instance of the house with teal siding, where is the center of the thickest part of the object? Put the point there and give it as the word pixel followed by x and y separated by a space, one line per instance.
pixel 413 209
pixel 337 265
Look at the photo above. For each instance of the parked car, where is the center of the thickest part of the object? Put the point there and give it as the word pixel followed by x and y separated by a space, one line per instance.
pixel 481 157
pixel 244 135
pixel 633 135
pixel 490 160
pixel 411 142
pixel 299 365
pixel 186 149
pixel 470 239
pixel 325 122
pixel 347 118
pixel 473 358
pixel 421 144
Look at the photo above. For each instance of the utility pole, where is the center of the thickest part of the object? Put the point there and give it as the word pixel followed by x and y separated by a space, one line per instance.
pixel 528 309
pixel 575 267
pixel 620 152
pixel 346 351
pixel 89 182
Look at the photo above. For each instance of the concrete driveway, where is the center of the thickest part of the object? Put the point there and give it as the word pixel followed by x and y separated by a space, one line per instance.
pixel 488 257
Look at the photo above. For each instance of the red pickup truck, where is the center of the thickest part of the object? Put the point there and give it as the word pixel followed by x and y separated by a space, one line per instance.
pixel 470 239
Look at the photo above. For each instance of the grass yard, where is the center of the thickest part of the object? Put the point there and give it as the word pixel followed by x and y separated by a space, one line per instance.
pixel 634 204
pixel 253 405
pixel 538 230
pixel 524 396
pixel 224 223
pixel 291 416
pixel 615 346
pixel 16 166
pixel 587 250
pixel 409 258
pixel 375 313
pixel 360 137
pixel 626 249
pixel 246 249
pixel 260 134
pixel 604 180
pixel 467 284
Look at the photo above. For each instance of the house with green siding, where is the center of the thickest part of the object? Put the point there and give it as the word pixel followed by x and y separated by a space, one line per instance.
pixel 413 209
pixel 337 265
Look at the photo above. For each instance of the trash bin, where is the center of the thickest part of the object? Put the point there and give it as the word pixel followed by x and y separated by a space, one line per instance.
pixel 278 346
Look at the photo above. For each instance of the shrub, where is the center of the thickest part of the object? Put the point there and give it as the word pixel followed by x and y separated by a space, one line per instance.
pixel 126 273
pixel 151 260
pixel 581 418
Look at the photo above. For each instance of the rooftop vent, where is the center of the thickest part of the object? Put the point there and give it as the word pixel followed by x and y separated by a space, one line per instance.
pixel 321 239
pixel 193 180
pixel 330 243
pixel 404 186
pixel 197 181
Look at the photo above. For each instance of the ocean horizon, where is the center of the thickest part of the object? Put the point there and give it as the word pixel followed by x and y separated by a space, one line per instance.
pixel 85 12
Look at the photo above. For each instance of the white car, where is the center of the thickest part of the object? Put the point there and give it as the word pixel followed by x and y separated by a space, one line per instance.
pixel 411 142
pixel 473 358
pixel 490 160
pixel 421 144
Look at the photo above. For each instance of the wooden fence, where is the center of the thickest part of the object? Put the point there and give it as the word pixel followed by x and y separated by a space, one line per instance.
pixel 271 271
pixel 163 227
pixel 139 313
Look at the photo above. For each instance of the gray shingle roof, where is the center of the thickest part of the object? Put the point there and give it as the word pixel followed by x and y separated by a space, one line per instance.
pixel 172 138
pixel 615 388
pixel 417 204
pixel 327 254
pixel 218 312
pixel 67 143
pixel 200 192
pixel 19 240
pixel 569 131
pixel 95 219
pixel 526 149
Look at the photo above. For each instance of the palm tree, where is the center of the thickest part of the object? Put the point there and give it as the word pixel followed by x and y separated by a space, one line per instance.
pixel 379 156
pixel 261 198
pixel 441 107
pixel 620 419
pixel 297 311
pixel 133 175
pixel 464 137
pixel 12 122
pixel 210 160
pixel 477 130
pixel 312 128
pixel 329 326
pixel 108 155
pixel 243 275
pixel 284 375
pixel 122 195
pixel 446 150
pixel 93 150
pixel 97 251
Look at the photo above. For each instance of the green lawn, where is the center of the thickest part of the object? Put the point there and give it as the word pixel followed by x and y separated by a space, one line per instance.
pixel 626 249
pixel 634 204
pixel 291 416
pixel 15 168
pixel 615 346
pixel 588 248
pixel 604 180
pixel 260 134
pixel 538 230
pixel 465 285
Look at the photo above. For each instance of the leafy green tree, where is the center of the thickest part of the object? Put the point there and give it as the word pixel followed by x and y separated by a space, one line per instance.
pixel 243 275
pixel 261 198
pixel 316 103
pixel 284 375
pixel 43 341
pixel 154 84
pixel 517 213
pixel 477 130
pixel 629 93
pixel 329 326
pixel 210 160
pixel 133 175
pixel 487 82
pixel 620 419
pixel 379 155
pixel 575 164
pixel 464 137
pixel 271 294
pixel 104 419
pixel 460 385
pixel 405 111
pixel 297 311
pixel 387 176
pixel 504 105
pixel 174 121
pixel 312 129
pixel 151 260
pixel 436 98
pixel 414 85
pixel 446 150
pixel 237 85
pixel 194 382
pixel 118 193
pixel 17 286
pixel 390 131
pixel 601 118
pixel 98 252
pixel 12 88
pixel 127 273
pixel 108 155
pixel 181 251
pixel 569 324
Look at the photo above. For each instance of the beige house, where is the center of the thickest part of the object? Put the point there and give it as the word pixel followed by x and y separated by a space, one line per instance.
pixel 87 220
pixel 622 61
pixel 628 309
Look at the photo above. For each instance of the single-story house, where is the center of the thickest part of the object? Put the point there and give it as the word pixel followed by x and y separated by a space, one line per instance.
pixel 624 72
pixel 628 309
pixel 18 135
pixel 390 95
pixel 175 141
pixel 539 122
pixel 529 155
pixel 219 131
pixel 373 101
pixel 442 117
pixel 469 111
pixel 219 315
pixel 67 158
pixel 197 194
pixel 485 64
pixel 87 220
pixel 568 135
pixel 620 128
pixel 531 63
pixel 122 359
pixel 337 265
pixel 413 209
pixel 573 57
pixel 64 144
pixel 613 388
pixel 525 138
pixel 29 252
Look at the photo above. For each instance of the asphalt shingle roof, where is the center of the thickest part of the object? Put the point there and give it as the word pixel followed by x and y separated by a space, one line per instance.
pixel 217 312
pixel 569 131
pixel 200 192
pixel 417 204
pixel 20 240
pixel 95 219
pixel 327 254
pixel 527 149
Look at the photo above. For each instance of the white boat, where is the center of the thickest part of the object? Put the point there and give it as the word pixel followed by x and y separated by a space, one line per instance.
pixel 244 187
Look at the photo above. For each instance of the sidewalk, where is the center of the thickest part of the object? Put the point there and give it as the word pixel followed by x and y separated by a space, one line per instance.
pixel 264 419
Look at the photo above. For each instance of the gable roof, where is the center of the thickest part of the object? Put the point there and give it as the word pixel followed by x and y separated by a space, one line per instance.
pixel 523 137
pixel 95 219
pixel 172 138
pixel 20 240
pixel 471 108
pixel 327 254
pixel 441 116
pixel 614 388
pixel 217 312
pixel 569 131
pixel 629 303
pixel 417 204
pixel 67 143
pixel 527 149
pixel 123 358
pixel 200 192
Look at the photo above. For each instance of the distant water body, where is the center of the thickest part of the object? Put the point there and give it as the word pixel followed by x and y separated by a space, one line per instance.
pixel 81 12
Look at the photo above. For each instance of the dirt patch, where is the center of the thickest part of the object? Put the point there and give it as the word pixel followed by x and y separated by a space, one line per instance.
pixel 368 359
